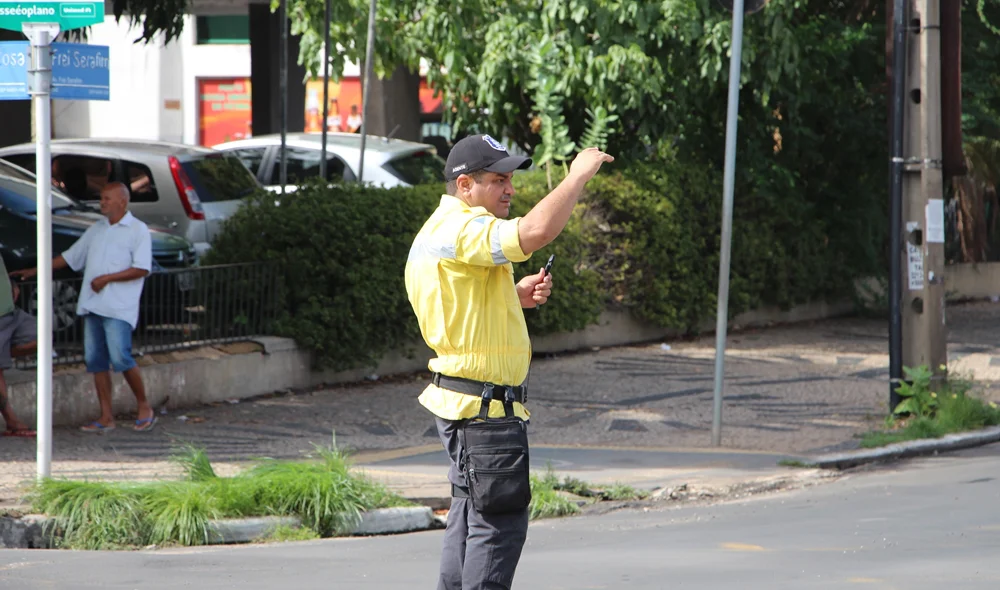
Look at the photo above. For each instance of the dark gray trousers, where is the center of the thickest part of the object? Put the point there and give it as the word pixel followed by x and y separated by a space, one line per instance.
pixel 480 551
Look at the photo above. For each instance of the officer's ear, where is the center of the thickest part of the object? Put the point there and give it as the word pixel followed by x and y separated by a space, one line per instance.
pixel 464 184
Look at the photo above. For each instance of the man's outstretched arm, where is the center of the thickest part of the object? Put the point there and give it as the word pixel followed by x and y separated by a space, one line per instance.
pixel 548 218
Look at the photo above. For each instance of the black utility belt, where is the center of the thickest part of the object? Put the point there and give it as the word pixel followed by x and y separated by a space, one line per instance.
pixel 482 389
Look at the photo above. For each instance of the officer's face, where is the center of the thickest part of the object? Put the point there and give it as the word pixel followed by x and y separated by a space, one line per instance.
pixel 493 192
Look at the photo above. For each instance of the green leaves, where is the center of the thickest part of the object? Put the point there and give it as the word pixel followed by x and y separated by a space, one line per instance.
pixel 598 128
pixel 918 399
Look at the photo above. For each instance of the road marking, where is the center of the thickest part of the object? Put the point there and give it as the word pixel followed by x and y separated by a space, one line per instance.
pixel 379 456
pixel 369 457
pixel 742 547
pixel 864 580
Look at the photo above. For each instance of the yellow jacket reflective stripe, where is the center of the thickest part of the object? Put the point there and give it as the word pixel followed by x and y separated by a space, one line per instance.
pixel 460 282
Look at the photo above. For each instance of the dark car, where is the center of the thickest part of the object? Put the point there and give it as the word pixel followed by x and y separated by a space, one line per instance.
pixel 163 291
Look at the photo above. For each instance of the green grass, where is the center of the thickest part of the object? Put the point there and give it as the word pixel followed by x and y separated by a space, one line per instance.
pixel 104 515
pixel 794 463
pixel 547 502
pixel 621 492
pixel 956 411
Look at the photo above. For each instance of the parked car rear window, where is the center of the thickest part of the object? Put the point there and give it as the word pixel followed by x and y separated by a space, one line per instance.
pixel 13 171
pixel 26 161
pixel 417 168
pixel 19 195
pixel 220 178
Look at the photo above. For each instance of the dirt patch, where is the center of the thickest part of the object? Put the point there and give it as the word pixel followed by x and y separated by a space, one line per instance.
pixel 716 493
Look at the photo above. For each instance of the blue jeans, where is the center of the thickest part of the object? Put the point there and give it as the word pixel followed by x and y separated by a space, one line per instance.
pixel 107 344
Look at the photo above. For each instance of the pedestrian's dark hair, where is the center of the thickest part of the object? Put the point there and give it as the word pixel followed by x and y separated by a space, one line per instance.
pixel 452 187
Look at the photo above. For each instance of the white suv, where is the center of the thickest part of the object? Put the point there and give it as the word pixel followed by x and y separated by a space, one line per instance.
pixel 388 162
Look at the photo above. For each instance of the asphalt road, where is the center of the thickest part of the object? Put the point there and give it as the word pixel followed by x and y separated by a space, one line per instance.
pixel 927 524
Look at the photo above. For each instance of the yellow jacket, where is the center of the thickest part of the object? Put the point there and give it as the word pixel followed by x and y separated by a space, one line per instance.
pixel 460 282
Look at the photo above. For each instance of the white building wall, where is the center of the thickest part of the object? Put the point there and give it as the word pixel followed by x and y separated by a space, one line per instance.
pixel 135 91
pixel 154 88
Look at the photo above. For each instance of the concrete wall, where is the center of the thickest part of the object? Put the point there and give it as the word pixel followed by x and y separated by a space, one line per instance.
pixel 212 376
pixel 972 281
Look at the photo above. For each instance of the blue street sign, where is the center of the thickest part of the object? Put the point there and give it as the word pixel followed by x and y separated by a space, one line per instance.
pixel 80 72
pixel 14 61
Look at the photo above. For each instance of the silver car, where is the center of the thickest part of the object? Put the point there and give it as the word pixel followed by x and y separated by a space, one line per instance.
pixel 190 190
pixel 388 162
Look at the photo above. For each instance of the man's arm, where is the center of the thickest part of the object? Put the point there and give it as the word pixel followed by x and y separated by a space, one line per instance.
pixel 548 218
pixel 58 263
pixel 129 274
pixel 142 259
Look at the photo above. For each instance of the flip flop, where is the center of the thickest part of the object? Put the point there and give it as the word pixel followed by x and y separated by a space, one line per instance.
pixel 96 427
pixel 145 424
pixel 22 432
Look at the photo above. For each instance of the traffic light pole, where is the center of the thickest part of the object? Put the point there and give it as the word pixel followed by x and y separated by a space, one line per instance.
pixel 897 161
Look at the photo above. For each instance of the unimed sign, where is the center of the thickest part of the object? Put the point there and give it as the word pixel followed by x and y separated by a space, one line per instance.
pixel 68 14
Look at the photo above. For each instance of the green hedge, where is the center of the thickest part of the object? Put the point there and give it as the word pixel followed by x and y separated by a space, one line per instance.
pixel 645 238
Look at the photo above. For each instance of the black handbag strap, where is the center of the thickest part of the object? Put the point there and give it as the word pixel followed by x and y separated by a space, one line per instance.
pixel 489 394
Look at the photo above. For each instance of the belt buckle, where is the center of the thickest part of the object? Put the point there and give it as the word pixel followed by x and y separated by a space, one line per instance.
pixel 508 394
pixel 488 389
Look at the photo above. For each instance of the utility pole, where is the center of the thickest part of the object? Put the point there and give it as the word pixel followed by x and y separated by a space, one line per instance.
pixel 923 290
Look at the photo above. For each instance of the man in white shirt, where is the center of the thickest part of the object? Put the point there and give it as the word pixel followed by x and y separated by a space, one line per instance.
pixel 115 255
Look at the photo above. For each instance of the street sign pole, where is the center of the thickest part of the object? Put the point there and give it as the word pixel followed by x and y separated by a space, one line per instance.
pixel 40 88
pixel 41 21
pixel 729 180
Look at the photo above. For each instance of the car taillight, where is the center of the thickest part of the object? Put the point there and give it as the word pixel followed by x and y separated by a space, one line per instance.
pixel 186 190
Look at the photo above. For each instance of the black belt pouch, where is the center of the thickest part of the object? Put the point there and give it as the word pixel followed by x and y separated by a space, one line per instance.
pixel 496 464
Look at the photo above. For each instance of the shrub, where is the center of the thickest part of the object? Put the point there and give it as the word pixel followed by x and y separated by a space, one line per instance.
pixel 645 238
pixel 341 253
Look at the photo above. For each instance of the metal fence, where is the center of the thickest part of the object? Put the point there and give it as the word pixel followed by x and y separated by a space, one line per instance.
pixel 179 309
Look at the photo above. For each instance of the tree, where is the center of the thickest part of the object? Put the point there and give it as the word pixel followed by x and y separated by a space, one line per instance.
pixel 153 17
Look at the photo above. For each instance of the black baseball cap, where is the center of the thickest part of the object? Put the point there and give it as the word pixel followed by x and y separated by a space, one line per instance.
pixel 481 152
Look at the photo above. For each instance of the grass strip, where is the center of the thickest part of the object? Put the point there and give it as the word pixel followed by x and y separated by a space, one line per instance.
pixel 322 492
pixel 929 412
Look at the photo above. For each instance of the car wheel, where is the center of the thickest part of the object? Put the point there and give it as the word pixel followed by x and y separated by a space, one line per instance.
pixel 64 298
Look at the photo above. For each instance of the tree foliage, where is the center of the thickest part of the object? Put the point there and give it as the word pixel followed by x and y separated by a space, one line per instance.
pixel 157 19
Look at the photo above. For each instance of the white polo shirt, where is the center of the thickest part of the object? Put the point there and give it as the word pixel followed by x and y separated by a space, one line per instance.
pixel 106 249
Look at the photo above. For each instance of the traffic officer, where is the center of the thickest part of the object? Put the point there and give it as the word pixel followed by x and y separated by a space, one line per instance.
pixel 460 282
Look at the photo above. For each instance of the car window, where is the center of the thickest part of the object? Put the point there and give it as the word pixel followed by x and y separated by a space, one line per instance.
pixel 19 195
pixel 220 177
pixel 12 169
pixel 417 168
pixel 140 183
pixel 82 177
pixel 303 164
pixel 251 158
pixel 26 161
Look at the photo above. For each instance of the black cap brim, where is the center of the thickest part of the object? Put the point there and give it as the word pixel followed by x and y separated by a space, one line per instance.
pixel 509 164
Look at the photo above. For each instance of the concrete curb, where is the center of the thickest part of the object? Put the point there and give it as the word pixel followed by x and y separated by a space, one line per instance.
pixel 903 450
pixel 28 532
pixel 395 520
pixel 247 530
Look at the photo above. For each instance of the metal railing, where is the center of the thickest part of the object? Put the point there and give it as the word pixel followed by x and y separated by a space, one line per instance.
pixel 179 309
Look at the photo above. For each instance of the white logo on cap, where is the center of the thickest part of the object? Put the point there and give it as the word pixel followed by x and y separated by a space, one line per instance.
pixel 494 143
pixel 462 167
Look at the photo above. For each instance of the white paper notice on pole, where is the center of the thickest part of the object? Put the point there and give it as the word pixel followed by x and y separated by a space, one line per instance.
pixel 914 261
pixel 934 212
